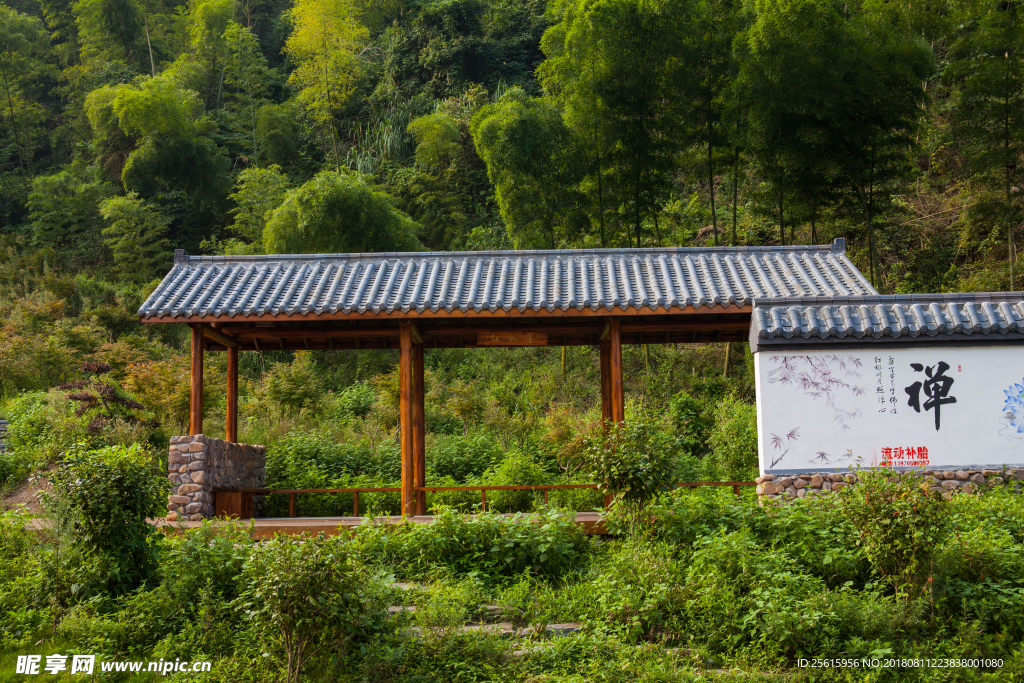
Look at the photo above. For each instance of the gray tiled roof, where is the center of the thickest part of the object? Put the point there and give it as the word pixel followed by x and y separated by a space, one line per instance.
pixel 488 281
pixel 920 318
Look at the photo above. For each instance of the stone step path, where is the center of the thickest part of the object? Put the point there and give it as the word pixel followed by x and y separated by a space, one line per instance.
pixel 3 435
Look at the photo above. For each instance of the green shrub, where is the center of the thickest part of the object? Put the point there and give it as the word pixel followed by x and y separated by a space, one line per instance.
pixel 460 501
pixel 386 461
pixel 43 425
pixel 742 595
pixel 307 595
pixel 294 386
pixel 463 457
pixel 357 400
pixel 693 419
pixel 639 591
pixel 302 456
pixel 206 557
pixel 517 469
pixel 111 492
pixel 633 462
pixel 550 544
pixel 447 605
pixel 733 441
pixel 899 523
pixel 23 604
pixel 816 532
pixel 683 515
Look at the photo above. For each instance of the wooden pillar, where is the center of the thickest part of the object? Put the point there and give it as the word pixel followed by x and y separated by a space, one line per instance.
pixel 618 399
pixel 405 417
pixel 606 394
pixel 231 430
pixel 418 422
pixel 196 382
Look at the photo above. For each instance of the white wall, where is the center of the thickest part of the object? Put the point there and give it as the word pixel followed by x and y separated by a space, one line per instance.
pixel 827 410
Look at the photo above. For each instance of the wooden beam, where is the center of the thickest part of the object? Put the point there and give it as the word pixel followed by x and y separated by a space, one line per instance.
pixel 418 428
pixel 231 430
pixel 196 383
pixel 417 338
pixel 615 370
pixel 606 393
pixel 219 337
pixel 311 332
pixel 406 418
pixel 683 325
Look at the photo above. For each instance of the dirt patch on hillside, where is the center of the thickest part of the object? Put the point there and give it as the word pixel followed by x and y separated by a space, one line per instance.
pixel 26 494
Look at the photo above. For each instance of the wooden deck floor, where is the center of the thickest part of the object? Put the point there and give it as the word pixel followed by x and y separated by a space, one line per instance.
pixel 268 527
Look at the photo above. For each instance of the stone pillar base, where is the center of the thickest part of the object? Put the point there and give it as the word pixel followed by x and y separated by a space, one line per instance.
pixel 198 464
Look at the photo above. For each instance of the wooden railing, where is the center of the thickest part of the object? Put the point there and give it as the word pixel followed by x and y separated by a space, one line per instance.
pixel 239 502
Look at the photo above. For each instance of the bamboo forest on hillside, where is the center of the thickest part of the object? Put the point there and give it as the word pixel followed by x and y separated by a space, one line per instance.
pixel 133 128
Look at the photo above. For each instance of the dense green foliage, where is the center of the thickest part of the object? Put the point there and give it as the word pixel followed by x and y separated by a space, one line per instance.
pixel 736 585
pixel 110 494
pixel 129 128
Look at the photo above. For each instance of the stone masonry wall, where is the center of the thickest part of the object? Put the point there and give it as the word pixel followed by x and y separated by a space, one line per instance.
pixel 946 482
pixel 198 464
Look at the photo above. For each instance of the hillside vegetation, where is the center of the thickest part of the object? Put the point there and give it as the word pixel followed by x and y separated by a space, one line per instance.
pixel 130 128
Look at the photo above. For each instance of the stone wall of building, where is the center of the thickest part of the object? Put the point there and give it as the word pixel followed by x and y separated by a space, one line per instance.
pixel 198 464
pixel 946 482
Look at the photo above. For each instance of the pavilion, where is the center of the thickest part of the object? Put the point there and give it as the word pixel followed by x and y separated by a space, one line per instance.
pixel 412 301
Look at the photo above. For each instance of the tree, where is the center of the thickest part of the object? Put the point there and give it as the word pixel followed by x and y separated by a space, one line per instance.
pixel 110 29
pixel 987 71
pixel 791 62
pixel 246 69
pixel 534 162
pixel 160 130
pixel 338 212
pixel 323 44
pixel 711 59
pixel 22 41
pixel 276 133
pixel 620 58
pixel 258 192
pixel 633 461
pixel 135 236
pixel 832 95
pixel 65 214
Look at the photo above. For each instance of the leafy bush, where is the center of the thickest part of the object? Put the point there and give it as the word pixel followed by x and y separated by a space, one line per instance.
pixel 733 441
pixel 23 607
pixel 307 595
pixel 693 419
pixel 816 532
pixel 742 594
pixel 639 591
pixel 294 386
pixel 43 425
pixel 463 457
pixel 899 523
pixel 357 400
pixel 683 515
pixel 301 456
pixel 633 461
pixel 518 469
pixel 206 557
pixel 111 492
pixel 550 544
